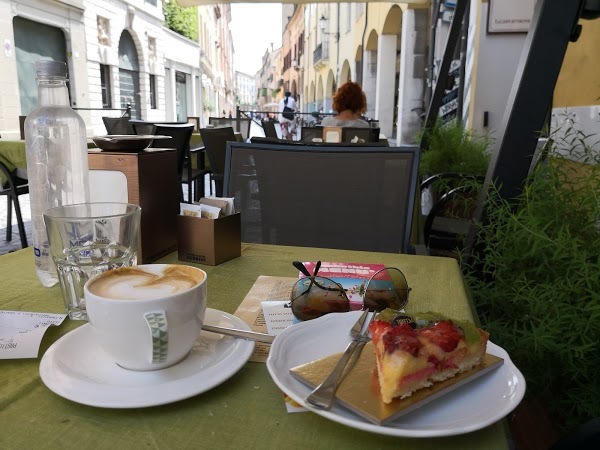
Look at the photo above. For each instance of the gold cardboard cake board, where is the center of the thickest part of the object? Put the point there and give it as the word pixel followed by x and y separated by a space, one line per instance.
pixel 359 391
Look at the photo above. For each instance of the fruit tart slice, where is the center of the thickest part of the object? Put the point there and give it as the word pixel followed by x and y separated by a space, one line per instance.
pixel 413 352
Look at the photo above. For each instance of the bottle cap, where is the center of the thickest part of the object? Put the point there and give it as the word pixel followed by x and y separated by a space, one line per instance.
pixel 51 68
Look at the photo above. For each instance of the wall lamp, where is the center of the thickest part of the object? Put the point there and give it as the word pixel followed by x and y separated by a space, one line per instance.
pixel 323 27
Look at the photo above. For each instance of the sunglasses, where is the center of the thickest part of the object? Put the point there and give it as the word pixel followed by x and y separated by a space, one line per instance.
pixel 315 296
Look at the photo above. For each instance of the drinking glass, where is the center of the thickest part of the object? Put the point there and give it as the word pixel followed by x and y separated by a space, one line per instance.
pixel 87 239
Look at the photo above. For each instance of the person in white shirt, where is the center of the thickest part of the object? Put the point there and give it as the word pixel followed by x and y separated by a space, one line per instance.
pixel 287 122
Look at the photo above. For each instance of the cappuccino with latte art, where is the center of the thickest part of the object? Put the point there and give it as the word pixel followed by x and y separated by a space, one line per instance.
pixel 138 283
pixel 147 317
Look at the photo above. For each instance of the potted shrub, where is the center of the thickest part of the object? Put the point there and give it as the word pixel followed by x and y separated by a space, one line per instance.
pixel 453 148
pixel 536 284
pixel 454 157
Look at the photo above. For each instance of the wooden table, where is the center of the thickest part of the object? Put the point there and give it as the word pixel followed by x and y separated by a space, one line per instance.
pixel 247 411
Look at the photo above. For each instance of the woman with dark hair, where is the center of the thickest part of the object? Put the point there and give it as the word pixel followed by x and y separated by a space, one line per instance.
pixel 350 102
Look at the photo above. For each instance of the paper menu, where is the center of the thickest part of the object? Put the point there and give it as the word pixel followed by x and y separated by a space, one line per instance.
pixel 265 288
pixel 21 332
pixel 278 316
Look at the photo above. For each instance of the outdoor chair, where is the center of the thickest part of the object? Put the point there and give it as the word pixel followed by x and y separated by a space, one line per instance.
pixel 307 134
pixel 362 134
pixel 180 140
pixel 22 126
pixel 118 125
pixel 270 128
pixel 454 199
pixel 196 121
pixel 215 143
pixel 143 127
pixel 15 186
pixel 241 125
pixel 267 140
pixel 148 127
pixel 346 197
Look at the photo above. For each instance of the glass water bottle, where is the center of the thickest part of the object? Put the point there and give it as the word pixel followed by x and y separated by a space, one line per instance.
pixel 57 162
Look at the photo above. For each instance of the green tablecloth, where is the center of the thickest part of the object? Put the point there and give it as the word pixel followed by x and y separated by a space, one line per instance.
pixel 12 154
pixel 247 411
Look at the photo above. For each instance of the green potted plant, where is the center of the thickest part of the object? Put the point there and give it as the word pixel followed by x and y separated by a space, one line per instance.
pixel 536 284
pixel 454 157
pixel 453 148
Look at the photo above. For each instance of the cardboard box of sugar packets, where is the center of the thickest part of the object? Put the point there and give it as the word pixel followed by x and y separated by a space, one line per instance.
pixel 208 241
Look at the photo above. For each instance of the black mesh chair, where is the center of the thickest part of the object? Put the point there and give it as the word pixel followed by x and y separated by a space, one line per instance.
pixel 22 126
pixel 307 134
pixel 148 127
pixel 180 140
pixel 360 135
pixel 269 126
pixel 13 187
pixel 215 143
pixel 118 125
pixel 267 140
pixel 241 125
pixel 454 200
pixel 347 197
pixel 144 127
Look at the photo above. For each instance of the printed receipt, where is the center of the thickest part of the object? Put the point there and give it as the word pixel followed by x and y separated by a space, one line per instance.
pixel 21 332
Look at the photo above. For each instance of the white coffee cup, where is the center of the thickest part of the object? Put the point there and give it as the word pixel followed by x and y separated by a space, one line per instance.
pixel 147 317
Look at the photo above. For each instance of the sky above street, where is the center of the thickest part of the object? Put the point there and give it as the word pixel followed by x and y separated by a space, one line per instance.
pixel 253 28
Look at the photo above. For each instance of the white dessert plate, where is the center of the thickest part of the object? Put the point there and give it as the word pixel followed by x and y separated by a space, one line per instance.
pixel 76 368
pixel 475 405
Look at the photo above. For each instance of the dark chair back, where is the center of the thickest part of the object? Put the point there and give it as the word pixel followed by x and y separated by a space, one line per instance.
pixel 215 144
pixel 350 134
pixel 117 125
pixel 348 197
pixel 454 200
pixel 267 140
pixel 241 125
pixel 196 121
pixel 22 126
pixel 13 186
pixel 148 127
pixel 307 134
pixel 180 139
pixel 269 128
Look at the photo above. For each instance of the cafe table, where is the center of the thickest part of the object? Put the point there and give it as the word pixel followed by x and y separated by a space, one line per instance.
pixel 12 154
pixel 246 411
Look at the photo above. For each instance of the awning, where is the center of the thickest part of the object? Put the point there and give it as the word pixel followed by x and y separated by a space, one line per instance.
pixel 213 2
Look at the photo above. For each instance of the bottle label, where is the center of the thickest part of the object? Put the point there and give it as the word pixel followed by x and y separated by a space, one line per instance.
pixel 42 257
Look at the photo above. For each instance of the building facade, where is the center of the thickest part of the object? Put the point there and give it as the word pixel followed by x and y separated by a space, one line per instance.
pixel 245 91
pixel 118 53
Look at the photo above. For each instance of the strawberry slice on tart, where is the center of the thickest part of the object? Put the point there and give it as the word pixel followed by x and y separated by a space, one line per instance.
pixel 413 352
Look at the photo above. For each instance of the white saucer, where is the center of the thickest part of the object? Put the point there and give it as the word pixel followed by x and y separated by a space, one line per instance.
pixel 475 405
pixel 76 368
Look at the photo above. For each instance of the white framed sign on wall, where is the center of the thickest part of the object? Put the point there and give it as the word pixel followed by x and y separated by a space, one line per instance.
pixel 509 16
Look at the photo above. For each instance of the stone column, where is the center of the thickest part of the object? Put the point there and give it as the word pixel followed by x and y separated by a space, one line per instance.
pixel 170 95
pixel 386 83
pixel 413 58
pixel 370 81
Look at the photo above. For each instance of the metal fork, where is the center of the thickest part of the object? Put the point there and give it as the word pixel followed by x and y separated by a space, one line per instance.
pixel 322 397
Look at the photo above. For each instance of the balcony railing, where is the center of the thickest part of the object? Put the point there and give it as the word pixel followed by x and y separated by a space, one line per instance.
pixel 321 53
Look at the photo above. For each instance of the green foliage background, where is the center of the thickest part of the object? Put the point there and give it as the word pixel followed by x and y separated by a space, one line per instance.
pixel 536 282
pixel 183 21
